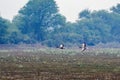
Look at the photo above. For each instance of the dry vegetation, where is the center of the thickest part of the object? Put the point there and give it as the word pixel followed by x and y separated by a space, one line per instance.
pixel 57 64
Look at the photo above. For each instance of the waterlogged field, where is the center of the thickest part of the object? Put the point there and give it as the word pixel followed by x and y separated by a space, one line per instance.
pixel 59 64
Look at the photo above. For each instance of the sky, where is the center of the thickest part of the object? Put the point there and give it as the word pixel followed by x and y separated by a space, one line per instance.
pixel 69 8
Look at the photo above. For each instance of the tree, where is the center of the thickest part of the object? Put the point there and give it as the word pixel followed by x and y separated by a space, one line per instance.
pixel 96 27
pixel 116 8
pixel 4 24
pixel 84 14
pixel 115 22
pixel 37 17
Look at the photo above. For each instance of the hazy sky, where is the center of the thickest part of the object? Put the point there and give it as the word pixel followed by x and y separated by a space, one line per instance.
pixel 68 8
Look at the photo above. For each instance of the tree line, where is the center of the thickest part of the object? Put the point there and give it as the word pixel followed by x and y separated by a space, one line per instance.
pixel 39 21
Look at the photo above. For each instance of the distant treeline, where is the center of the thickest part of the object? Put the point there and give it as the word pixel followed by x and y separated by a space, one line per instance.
pixel 39 21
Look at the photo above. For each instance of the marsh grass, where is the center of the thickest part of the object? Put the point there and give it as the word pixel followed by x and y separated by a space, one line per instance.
pixel 60 64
